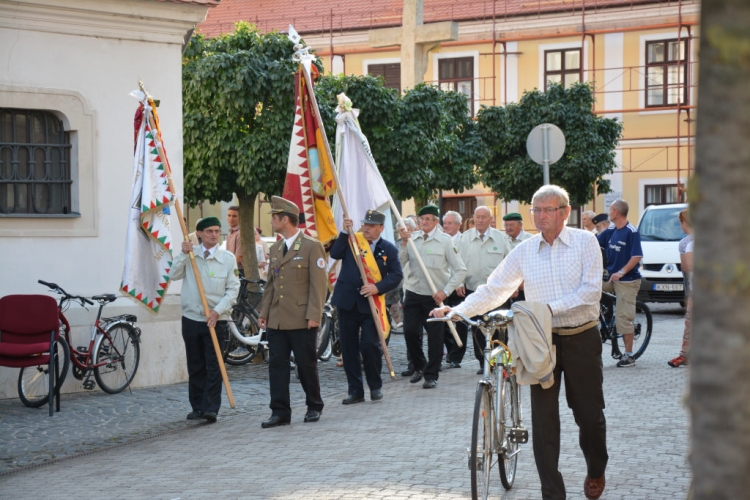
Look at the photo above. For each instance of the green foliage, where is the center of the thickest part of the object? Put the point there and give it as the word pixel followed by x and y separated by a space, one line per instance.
pixel 589 152
pixel 422 141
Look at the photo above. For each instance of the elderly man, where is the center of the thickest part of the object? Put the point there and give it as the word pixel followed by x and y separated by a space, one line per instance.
pixel 452 225
pixel 482 248
pixel 587 221
pixel 219 275
pixel 513 224
pixel 357 329
pixel 601 222
pixel 447 271
pixel 561 268
pixel 291 312
pixel 622 245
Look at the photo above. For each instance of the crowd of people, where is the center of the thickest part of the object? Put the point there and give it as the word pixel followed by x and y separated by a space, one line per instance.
pixel 557 276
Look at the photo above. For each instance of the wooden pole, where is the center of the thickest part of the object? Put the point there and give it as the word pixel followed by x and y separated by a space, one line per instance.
pixel 352 239
pixel 196 273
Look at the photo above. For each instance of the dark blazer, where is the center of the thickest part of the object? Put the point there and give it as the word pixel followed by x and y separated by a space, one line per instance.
pixel 346 295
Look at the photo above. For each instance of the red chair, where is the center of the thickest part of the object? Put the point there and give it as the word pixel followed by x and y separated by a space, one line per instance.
pixel 29 329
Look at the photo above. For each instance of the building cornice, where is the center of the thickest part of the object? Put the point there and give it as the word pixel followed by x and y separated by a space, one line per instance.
pixel 141 20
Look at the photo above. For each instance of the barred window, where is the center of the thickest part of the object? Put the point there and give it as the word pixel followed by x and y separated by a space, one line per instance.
pixel 391 74
pixel 666 73
pixel 458 74
pixel 562 66
pixel 35 176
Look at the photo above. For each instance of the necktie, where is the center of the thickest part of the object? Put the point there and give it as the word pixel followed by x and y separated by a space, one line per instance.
pixel 285 248
pixel 481 237
pixel 206 254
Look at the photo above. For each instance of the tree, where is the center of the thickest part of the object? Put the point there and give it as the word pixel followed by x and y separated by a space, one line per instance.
pixel 422 141
pixel 589 152
pixel 720 357
pixel 238 111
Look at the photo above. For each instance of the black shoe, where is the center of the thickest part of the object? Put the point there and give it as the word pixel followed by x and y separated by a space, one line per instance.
pixel 210 416
pixel 195 415
pixel 274 421
pixel 351 399
pixel 376 395
pixel 313 416
pixel 407 373
pixel 429 384
pixel 480 371
pixel 455 364
pixel 416 377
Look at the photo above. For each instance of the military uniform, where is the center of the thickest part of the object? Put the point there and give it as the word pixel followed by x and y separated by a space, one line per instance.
pixel 447 271
pixel 295 293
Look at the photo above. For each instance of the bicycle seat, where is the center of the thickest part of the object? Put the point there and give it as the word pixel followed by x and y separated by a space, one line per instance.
pixel 107 297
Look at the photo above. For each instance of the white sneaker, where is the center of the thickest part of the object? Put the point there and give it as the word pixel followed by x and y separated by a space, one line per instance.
pixel 626 361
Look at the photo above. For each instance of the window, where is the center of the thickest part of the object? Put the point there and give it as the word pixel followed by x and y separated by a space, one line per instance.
pixel 391 74
pixel 458 74
pixel 575 216
pixel 562 66
pixel 34 163
pixel 661 194
pixel 666 73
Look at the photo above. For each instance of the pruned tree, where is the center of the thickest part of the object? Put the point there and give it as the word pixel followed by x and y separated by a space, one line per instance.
pixel 590 143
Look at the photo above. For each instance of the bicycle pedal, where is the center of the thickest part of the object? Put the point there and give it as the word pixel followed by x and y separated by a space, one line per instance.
pixel 519 435
pixel 82 349
pixel 89 384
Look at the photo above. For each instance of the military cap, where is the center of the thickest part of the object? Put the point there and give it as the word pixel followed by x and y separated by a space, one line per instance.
pixel 429 209
pixel 513 216
pixel 207 222
pixel 279 204
pixel 373 217
pixel 600 218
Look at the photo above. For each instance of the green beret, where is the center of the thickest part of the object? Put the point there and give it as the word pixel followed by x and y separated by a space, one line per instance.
pixel 513 216
pixel 429 209
pixel 207 222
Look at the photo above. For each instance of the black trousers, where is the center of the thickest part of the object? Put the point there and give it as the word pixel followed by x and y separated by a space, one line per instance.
pixel 204 375
pixel 354 344
pixel 455 353
pixel 579 359
pixel 281 343
pixel 416 311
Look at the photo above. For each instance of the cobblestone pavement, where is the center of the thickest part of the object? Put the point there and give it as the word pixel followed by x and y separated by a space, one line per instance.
pixel 411 445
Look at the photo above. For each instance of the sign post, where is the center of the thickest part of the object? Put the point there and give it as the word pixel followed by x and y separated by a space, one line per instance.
pixel 546 145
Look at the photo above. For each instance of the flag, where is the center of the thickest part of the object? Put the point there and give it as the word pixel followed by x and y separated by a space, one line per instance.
pixel 148 246
pixel 309 176
pixel 372 272
pixel 362 186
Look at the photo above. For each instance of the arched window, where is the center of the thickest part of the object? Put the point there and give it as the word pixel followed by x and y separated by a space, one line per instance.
pixel 35 174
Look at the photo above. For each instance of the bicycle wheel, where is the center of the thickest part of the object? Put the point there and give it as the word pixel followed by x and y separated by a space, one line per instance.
pixel 120 349
pixel 323 342
pixel 509 419
pixel 480 455
pixel 642 325
pixel 240 353
pixel 33 381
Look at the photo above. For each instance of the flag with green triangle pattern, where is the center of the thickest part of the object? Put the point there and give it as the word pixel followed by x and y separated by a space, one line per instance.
pixel 148 247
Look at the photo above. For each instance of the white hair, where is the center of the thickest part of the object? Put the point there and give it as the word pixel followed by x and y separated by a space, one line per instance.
pixel 453 214
pixel 552 191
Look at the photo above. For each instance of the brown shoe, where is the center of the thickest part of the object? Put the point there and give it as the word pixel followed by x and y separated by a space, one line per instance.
pixel 593 488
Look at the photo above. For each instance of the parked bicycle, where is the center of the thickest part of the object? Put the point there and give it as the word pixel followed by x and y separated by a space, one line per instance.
pixel 247 339
pixel 497 427
pixel 112 355
pixel 642 326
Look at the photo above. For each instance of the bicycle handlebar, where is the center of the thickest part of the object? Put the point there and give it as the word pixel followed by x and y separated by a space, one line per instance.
pixel 493 318
pixel 66 295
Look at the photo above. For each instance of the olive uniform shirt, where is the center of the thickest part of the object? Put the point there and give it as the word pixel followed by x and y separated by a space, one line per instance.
pixel 441 259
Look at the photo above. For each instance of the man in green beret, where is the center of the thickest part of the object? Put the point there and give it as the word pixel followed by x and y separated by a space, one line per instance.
pixel 513 224
pixel 219 275
pixel 447 270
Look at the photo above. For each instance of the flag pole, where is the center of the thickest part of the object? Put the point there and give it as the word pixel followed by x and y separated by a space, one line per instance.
pixel 352 238
pixel 196 273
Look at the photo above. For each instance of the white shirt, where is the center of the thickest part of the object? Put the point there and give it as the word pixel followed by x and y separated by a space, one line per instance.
pixel 290 241
pixel 566 275
pixel 481 257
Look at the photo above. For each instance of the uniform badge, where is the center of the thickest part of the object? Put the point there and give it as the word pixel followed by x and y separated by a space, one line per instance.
pixel 321 263
pixel 236 272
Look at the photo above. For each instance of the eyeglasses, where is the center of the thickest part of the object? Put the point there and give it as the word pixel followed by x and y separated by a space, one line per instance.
pixel 546 210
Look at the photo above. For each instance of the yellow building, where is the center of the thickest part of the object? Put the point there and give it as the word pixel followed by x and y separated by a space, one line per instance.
pixel 640 55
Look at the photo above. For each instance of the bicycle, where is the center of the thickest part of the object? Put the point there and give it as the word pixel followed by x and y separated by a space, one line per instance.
pixel 497 424
pixel 112 355
pixel 642 326
pixel 247 339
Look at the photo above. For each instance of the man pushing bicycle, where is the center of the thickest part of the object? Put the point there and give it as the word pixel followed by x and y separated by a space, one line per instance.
pixel 559 267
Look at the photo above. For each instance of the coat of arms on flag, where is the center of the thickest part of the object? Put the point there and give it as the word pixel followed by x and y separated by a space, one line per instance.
pixel 148 247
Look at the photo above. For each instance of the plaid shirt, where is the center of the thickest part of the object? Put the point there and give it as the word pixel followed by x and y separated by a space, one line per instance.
pixel 566 275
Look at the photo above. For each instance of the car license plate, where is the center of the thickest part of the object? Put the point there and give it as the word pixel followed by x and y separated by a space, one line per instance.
pixel 668 287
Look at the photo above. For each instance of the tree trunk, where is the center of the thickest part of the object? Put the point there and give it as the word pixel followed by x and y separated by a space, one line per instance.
pixel 720 356
pixel 247 236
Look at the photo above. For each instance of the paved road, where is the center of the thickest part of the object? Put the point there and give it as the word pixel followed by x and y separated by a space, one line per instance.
pixel 411 445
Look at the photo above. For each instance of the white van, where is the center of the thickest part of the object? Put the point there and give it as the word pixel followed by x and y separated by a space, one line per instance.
pixel 661 271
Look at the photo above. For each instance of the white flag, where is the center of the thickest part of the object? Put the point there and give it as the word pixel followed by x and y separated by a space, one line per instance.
pixel 148 247
pixel 362 185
